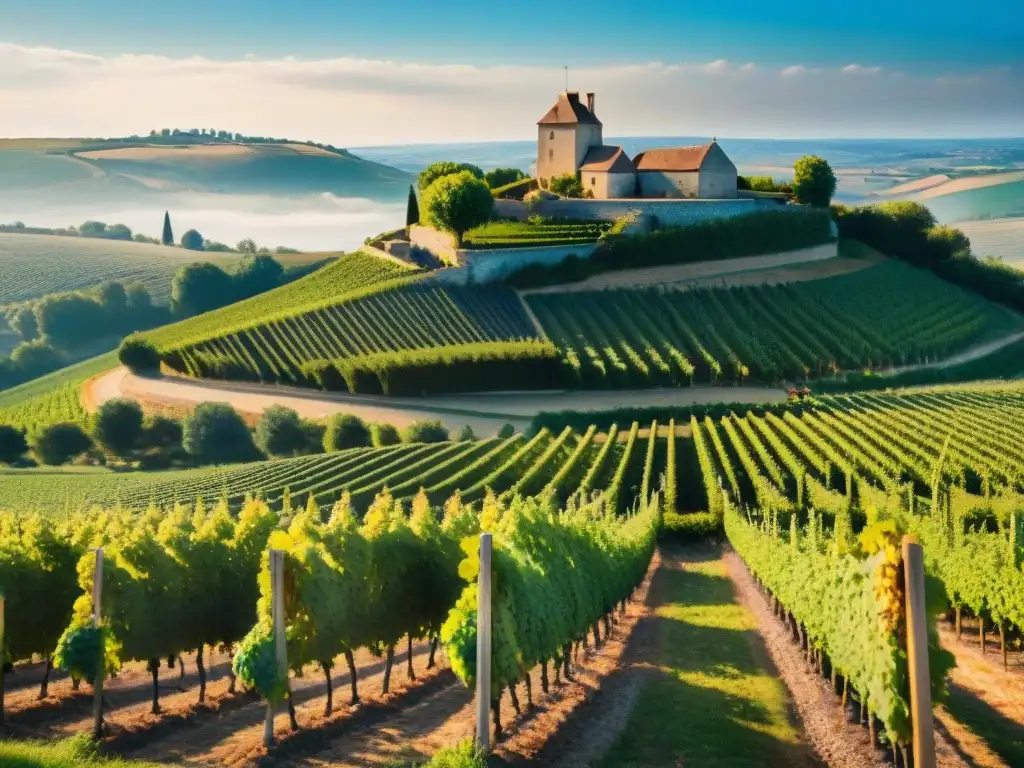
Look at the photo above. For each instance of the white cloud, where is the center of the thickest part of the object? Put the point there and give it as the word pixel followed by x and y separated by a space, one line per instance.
pixel 353 102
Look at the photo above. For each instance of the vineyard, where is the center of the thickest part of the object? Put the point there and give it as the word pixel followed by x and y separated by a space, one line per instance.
pixel 53 398
pixel 889 314
pixel 620 464
pixel 385 318
pixel 524 234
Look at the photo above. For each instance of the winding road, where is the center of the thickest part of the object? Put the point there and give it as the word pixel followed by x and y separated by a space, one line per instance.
pixel 485 413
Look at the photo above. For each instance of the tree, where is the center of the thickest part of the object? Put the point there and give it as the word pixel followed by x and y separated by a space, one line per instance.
pixel 426 431
pixel 256 274
pixel 466 434
pixel 23 322
pixel 192 240
pixel 280 432
pixel 567 185
pixel 946 242
pixel 35 358
pixel 139 356
pixel 13 444
pixel 506 431
pixel 435 171
pixel 161 432
pixel 114 299
pixel 200 287
pixel 385 434
pixel 168 235
pixel 814 183
pixel 68 319
pixel 214 433
pixel 60 443
pixel 247 246
pixel 345 431
pixel 499 177
pixel 412 209
pixel 457 203
pixel 118 426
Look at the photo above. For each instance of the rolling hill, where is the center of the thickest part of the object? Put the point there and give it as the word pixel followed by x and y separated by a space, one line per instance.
pixel 68 169
pixel 35 265
pixel 966 198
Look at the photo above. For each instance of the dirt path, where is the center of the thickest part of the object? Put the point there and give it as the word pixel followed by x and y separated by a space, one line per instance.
pixel 974 353
pixel 485 413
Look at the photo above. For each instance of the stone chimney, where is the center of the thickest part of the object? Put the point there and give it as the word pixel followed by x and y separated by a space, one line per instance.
pixel 573 96
pixel 590 103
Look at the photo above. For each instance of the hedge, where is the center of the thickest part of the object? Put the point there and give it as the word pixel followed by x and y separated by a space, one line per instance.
pixel 515 191
pixel 767 231
pixel 690 526
pixel 479 367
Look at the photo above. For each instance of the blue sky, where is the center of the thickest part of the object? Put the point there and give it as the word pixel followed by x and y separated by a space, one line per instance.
pixel 388 71
pixel 933 35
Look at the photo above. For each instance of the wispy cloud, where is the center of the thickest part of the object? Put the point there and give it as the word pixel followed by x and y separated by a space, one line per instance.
pixel 352 101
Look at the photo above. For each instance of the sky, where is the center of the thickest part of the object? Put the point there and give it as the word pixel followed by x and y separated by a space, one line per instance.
pixel 393 72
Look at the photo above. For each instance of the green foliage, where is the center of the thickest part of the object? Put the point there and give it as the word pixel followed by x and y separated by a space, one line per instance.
pixel 426 431
pixel 79 751
pixel 69 318
pixel 529 234
pixel 814 183
pixel 60 443
pixel 442 168
pixel 516 190
pixel 36 358
pixel 118 426
pixel 167 235
pixel 198 288
pixel 691 526
pixel 280 432
pixel 506 431
pixel 22 321
pixel 466 434
pixel 214 433
pixel 412 209
pixel 53 398
pixel 566 185
pixel 384 435
pixel 256 274
pixel 138 355
pixel 501 177
pixel 13 444
pixel 346 431
pixel 192 240
pixel 457 203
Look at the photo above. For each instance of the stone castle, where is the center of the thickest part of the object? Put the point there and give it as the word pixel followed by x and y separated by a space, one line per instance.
pixel 569 141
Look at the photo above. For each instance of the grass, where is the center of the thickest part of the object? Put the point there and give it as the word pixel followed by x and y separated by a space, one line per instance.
pixel 76 752
pixel 35 265
pixel 1003 735
pixel 713 699
pixel 525 234
pixel 53 398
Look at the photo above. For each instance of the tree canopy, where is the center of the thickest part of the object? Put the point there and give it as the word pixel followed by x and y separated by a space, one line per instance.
pixel 814 183
pixel 200 287
pixel 457 203
pixel 59 443
pixel 499 177
pixel 214 433
pixel 435 171
pixel 280 432
pixel 346 431
pixel 192 240
pixel 167 237
pixel 118 426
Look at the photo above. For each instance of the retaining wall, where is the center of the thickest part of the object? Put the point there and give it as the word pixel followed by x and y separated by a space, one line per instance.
pixel 667 213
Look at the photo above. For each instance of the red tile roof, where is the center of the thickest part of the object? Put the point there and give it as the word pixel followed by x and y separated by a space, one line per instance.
pixel 568 110
pixel 674 159
pixel 609 159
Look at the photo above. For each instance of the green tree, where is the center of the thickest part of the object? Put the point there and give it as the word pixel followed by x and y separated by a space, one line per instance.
pixel 567 185
pixel 23 322
pixel 214 433
pixel 13 444
pixel 118 426
pixel 167 238
pixel 60 443
pixel 114 299
pixel 943 243
pixel 200 287
pixel 67 319
pixel 499 177
pixel 35 358
pixel 346 431
pixel 247 246
pixel 457 203
pixel 435 171
pixel 814 183
pixel 192 240
pixel 426 431
pixel 412 209
pixel 256 274
pixel 161 432
pixel 280 432
pixel 466 434
pixel 139 355
pixel 506 431
pixel 385 434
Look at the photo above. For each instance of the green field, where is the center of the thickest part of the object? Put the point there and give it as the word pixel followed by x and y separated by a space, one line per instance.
pixel 888 314
pixel 53 398
pixel 36 265
pixel 525 234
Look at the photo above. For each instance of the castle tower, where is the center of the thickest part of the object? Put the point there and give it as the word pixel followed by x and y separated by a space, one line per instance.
pixel 565 134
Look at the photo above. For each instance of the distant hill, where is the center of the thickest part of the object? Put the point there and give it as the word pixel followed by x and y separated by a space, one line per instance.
pixel 61 168
pixel 965 198
pixel 35 265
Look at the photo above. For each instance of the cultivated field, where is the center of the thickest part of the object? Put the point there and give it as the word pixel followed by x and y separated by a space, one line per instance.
pixel 54 398
pixel 1002 238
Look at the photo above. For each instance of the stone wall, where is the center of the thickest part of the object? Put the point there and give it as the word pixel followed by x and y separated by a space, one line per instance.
pixel 440 244
pixel 667 212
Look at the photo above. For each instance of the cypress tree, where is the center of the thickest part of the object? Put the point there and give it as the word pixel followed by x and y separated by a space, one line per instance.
pixel 168 236
pixel 412 209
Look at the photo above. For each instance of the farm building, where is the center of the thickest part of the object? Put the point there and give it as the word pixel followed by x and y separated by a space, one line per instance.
pixel 569 140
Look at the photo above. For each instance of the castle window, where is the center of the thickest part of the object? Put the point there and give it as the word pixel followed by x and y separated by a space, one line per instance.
pixel 593 181
pixel 551 154
pixel 551 137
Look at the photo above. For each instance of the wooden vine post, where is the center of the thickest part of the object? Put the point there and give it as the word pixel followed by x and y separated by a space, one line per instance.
pixel 917 655
pixel 280 642
pixel 3 608
pixel 483 646
pixel 97 685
